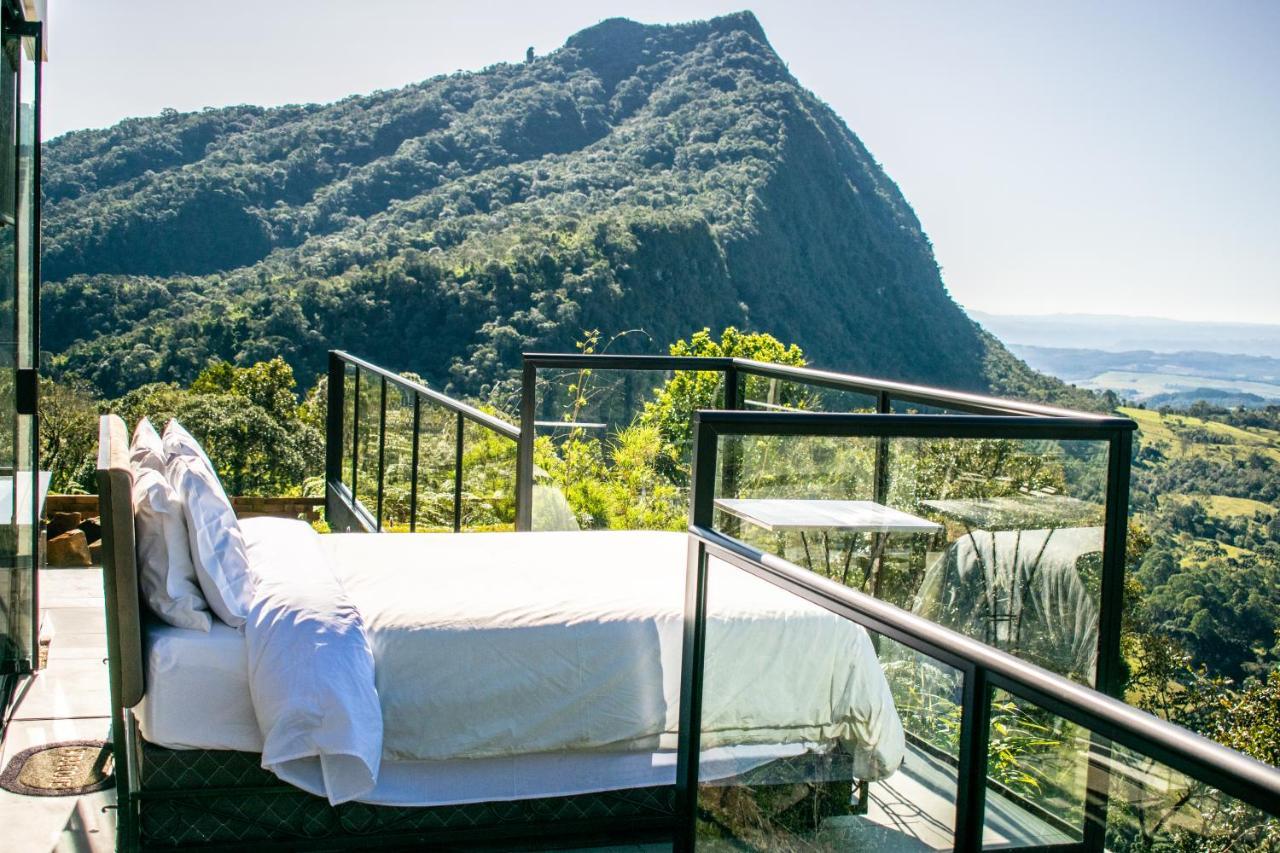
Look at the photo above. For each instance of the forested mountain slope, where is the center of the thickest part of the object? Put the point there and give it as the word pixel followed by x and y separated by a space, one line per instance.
pixel 656 177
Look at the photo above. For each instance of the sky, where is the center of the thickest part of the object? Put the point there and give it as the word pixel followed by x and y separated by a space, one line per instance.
pixel 1118 158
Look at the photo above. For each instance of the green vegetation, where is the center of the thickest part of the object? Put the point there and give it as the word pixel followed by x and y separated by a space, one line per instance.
pixel 1202 640
pixel 261 439
pixel 667 178
pixel 1207 483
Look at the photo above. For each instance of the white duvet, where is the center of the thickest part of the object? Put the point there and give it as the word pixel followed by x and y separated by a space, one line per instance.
pixel 485 646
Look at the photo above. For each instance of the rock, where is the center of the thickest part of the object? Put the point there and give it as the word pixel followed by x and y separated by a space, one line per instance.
pixel 69 549
pixel 61 522
pixel 92 528
pixel 95 552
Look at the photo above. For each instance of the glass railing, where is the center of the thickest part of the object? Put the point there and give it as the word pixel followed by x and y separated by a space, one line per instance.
pixel 1013 537
pixel 929 737
pixel 604 424
pixel 978 513
pixel 403 457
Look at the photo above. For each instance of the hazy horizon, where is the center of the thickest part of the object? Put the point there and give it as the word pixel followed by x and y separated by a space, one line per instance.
pixel 1080 159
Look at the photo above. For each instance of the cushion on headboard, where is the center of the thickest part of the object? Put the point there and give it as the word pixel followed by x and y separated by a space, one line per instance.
pixel 119 563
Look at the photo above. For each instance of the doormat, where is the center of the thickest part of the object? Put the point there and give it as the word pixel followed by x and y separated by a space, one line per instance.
pixel 65 769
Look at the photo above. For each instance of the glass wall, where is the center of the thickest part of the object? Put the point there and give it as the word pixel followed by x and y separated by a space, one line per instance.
pixel 999 539
pixel 802 742
pixel 817 733
pixel 22 486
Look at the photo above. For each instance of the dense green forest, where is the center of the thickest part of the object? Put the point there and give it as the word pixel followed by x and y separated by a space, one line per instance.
pixel 656 177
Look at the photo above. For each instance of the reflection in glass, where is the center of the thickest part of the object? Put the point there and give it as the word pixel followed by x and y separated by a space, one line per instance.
pixel 797 712
pixel 1000 540
pixel 1154 807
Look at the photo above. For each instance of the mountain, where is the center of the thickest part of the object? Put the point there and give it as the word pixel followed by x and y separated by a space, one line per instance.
pixel 656 177
pixel 1121 334
pixel 1163 378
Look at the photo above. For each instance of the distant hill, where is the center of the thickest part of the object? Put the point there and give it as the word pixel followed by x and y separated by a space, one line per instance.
pixel 1175 379
pixel 659 177
pixel 1115 333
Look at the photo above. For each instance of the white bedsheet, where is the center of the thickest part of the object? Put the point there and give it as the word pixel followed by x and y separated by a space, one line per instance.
pixel 197 690
pixel 198 698
pixel 512 666
pixel 541 642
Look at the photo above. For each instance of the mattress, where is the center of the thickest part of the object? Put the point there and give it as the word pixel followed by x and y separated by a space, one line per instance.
pixel 197 690
pixel 198 698
pixel 198 684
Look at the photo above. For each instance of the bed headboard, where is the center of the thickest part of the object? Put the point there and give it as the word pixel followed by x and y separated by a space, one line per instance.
pixel 119 563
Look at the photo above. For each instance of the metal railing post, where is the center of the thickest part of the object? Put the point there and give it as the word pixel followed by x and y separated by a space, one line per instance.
pixel 1107 677
pixel 524 450
pixel 692 661
pixel 1114 546
pixel 413 465
pixel 382 448
pixel 692 666
pixel 333 430
pixel 355 438
pixel 971 775
pixel 457 477
pixel 732 448
pixel 884 406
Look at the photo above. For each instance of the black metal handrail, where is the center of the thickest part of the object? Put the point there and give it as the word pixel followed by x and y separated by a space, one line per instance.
pixel 882 393
pixel 984 668
pixel 469 412
pixel 905 392
pixel 343 507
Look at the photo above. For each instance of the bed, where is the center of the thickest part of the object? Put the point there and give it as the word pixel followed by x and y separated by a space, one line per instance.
pixel 438 686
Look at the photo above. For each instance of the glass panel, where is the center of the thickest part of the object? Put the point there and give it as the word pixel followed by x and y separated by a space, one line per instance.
pixel 368 415
pixel 488 479
pixel 801 707
pixel 997 539
pixel 613 447
pixel 17 447
pixel 1017 559
pixel 398 470
pixel 1038 791
pixel 1154 807
pixel 766 394
pixel 436 442
pixel 348 421
pixel 1037 766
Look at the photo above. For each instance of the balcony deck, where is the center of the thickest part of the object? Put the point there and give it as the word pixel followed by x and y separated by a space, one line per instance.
pixel 68 700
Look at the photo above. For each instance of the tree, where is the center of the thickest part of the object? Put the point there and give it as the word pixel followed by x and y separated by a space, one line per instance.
pixel 671 412
pixel 68 435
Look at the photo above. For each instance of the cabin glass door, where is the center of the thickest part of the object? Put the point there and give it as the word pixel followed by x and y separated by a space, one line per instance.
pixel 21 485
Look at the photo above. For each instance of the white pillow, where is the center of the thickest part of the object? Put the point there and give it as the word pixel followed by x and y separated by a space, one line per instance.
pixel 178 440
pixel 146 450
pixel 165 571
pixel 217 544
